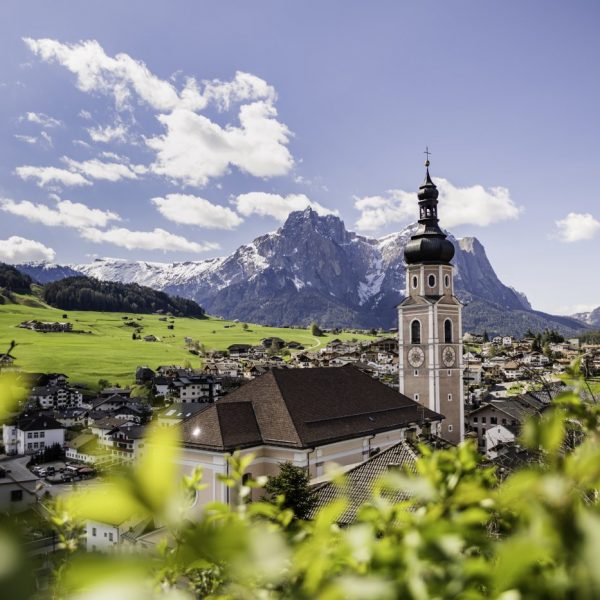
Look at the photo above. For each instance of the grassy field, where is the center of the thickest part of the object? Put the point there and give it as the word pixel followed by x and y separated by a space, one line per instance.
pixel 108 352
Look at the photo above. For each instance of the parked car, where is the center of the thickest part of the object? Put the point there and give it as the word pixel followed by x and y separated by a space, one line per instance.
pixel 42 473
pixel 50 470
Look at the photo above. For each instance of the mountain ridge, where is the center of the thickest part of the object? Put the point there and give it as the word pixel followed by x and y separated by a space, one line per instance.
pixel 313 269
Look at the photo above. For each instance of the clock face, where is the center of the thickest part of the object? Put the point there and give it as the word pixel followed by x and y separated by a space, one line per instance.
pixel 416 357
pixel 449 356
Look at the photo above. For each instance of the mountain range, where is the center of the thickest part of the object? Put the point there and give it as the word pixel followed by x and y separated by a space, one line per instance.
pixel 314 269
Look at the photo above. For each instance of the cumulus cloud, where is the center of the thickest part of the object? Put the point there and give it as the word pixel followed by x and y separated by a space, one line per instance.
pixel 96 169
pixel 158 239
pixel 49 175
pixel 193 210
pixel 17 250
pixel 473 205
pixel 194 149
pixel 576 227
pixel 41 119
pixel 120 77
pixel 116 133
pixel 65 213
pixel 276 206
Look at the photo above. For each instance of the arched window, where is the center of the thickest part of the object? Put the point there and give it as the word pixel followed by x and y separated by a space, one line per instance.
pixel 448 331
pixel 415 281
pixel 431 281
pixel 415 332
pixel 447 280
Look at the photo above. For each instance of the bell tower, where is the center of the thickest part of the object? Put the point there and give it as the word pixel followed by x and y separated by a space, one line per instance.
pixel 430 320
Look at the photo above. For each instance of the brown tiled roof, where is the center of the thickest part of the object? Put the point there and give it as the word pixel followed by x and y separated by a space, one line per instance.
pixel 304 408
pixel 359 481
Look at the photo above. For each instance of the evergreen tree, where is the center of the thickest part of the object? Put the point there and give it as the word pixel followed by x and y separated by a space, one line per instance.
pixel 293 484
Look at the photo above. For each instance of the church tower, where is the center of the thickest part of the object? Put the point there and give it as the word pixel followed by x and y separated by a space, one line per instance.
pixel 429 320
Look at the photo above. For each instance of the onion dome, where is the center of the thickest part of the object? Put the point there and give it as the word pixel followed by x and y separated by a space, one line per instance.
pixel 429 243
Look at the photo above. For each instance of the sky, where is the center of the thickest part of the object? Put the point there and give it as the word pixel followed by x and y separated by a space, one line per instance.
pixel 170 131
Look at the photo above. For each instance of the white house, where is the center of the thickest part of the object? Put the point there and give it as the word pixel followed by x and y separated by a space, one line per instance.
pixel 54 396
pixel 17 488
pixel 498 434
pixel 31 434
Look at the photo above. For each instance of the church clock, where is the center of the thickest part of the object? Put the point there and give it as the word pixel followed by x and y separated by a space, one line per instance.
pixel 416 357
pixel 449 356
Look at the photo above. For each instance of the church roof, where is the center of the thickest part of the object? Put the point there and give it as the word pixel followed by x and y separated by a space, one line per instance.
pixel 303 408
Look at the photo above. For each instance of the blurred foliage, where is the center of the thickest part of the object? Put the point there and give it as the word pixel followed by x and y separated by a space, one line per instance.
pixel 461 534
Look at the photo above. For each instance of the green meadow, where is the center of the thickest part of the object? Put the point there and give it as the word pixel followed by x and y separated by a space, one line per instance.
pixel 107 351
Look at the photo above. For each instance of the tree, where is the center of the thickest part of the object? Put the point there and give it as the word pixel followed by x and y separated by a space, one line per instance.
pixel 245 326
pixel 486 337
pixel 292 483
pixel 315 330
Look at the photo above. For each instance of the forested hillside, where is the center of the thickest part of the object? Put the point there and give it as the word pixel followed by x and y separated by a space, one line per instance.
pixel 12 280
pixel 86 293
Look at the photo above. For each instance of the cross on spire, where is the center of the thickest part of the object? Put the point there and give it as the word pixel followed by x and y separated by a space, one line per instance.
pixel 427 153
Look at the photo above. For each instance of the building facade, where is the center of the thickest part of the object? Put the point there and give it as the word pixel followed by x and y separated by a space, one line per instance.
pixel 429 321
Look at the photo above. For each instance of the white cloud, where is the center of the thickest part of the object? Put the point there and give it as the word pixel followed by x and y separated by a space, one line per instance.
pixel 119 77
pixel 193 210
pixel 47 175
pixel 85 114
pixel 195 149
pixel 276 206
pixel 244 87
pixel 66 213
pixel 159 239
pixel 47 138
pixel 576 227
pixel 473 205
pixel 41 119
pixel 27 139
pixel 17 250
pixel 96 169
pixel 573 309
pixel 118 133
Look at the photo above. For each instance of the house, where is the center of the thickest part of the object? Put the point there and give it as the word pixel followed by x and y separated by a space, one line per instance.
pixel 127 441
pixel 47 327
pixel 307 416
pixel 30 434
pixel 106 536
pixel 143 375
pixel 55 396
pixel 510 413
pixel 103 428
pixel 194 388
pixel 150 338
pixel 87 449
pixel 239 350
pixel 111 391
pixel 71 417
pixel 17 488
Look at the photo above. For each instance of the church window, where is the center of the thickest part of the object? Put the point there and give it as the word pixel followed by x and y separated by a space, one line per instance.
pixel 449 372
pixel 449 397
pixel 431 281
pixel 450 428
pixel 415 332
pixel 415 281
pixel 448 331
pixel 416 397
pixel 447 280
pixel 416 372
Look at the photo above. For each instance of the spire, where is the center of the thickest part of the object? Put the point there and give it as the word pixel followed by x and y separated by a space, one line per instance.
pixel 429 243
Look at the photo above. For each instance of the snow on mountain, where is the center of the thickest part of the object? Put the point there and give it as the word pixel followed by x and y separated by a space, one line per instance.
pixel 312 269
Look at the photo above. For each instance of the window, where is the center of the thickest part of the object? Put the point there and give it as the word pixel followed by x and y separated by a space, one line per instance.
pixel 29 435
pixel 416 372
pixel 415 281
pixel 474 419
pixel 16 495
pixel 503 421
pixel 449 397
pixel 450 428
pixel 447 280
pixel 483 420
pixel 29 446
pixel 494 420
pixel 448 331
pixel 42 434
pixel 415 332
pixel 110 537
pixel 449 373
pixel 36 434
pixel 431 281
pixel 93 531
pixel 416 397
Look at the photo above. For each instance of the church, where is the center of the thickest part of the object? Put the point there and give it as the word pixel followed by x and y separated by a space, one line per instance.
pixel 429 321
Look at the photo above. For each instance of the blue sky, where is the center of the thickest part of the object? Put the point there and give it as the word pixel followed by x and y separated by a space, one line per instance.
pixel 179 130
